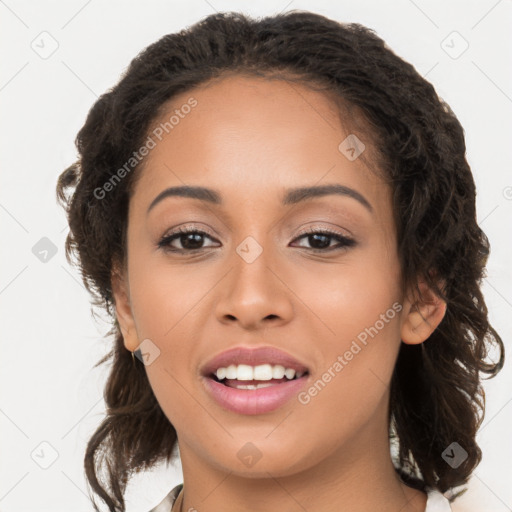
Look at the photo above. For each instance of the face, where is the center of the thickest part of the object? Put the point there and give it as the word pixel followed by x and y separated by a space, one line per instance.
pixel 305 282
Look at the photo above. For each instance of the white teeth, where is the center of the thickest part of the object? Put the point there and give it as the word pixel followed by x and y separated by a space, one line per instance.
pixel 289 373
pixel 259 372
pixel 231 371
pixel 278 371
pixel 263 372
pixel 253 386
pixel 244 372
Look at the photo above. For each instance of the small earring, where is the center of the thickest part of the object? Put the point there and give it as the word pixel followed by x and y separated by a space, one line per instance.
pixel 133 358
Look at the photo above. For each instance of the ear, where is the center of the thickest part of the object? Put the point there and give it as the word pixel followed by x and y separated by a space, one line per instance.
pixel 422 314
pixel 121 293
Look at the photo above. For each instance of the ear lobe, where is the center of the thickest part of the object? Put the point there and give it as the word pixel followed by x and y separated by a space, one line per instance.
pixel 422 316
pixel 120 291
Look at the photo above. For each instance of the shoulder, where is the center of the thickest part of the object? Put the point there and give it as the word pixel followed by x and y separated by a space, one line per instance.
pixel 166 504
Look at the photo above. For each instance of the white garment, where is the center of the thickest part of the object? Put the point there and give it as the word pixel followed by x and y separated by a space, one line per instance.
pixel 436 502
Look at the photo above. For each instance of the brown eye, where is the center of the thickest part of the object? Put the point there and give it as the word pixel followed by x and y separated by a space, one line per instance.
pixel 189 239
pixel 192 239
pixel 320 241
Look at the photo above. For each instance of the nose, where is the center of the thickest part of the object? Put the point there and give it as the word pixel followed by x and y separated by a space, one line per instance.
pixel 254 295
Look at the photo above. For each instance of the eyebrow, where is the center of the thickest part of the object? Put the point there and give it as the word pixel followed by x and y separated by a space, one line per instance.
pixel 291 196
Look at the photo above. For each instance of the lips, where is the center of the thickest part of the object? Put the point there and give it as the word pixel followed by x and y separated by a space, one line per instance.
pixel 252 357
pixel 244 399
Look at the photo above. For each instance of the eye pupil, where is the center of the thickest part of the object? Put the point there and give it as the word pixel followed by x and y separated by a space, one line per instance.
pixel 316 237
pixel 196 244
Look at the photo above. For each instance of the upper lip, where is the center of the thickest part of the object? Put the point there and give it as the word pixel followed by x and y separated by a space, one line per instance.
pixel 252 357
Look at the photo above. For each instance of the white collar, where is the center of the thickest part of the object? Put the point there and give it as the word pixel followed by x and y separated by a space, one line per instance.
pixel 436 502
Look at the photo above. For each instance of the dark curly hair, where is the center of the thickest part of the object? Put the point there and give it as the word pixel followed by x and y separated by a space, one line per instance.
pixel 436 397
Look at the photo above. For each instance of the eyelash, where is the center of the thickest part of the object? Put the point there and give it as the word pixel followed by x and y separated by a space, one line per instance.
pixel 343 241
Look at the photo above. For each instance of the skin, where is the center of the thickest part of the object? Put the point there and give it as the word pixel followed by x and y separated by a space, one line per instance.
pixel 251 139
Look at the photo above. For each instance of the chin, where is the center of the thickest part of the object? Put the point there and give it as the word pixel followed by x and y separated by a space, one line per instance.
pixel 259 458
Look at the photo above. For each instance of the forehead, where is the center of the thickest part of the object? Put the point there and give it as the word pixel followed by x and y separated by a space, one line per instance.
pixel 250 136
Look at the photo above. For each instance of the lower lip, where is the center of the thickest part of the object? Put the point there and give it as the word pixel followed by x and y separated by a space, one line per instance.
pixel 254 401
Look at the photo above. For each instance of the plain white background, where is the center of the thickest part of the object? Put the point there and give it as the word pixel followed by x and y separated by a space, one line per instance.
pixel 51 397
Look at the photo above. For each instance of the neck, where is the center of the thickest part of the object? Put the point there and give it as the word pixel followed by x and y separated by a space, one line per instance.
pixel 358 477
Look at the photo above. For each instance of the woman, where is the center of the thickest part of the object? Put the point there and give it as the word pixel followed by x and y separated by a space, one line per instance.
pixel 279 216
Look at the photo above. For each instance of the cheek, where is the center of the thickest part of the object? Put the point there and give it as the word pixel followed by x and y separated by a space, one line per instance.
pixel 348 297
pixel 163 295
pixel 358 346
pixel 357 311
pixel 166 301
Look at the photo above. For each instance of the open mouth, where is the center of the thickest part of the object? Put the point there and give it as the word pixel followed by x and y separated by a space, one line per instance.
pixel 248 377
pixel 254 380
